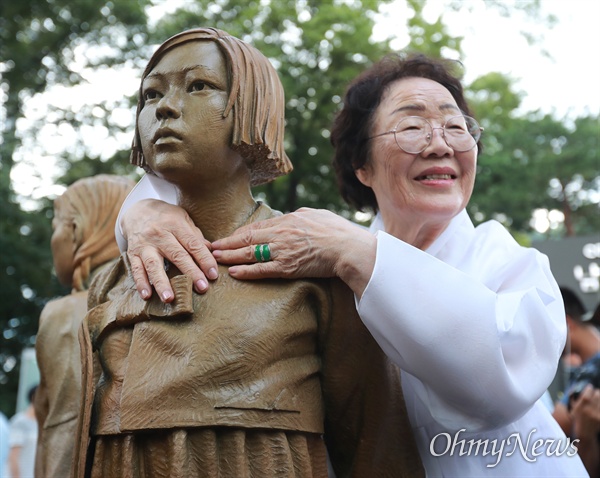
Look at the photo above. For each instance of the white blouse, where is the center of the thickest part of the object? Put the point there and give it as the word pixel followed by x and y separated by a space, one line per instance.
pixel 477 325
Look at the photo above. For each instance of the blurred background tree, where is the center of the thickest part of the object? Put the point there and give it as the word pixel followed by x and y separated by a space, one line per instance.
pixel 531 161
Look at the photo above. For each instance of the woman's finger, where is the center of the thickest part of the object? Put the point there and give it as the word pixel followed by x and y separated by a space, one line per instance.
pixel 262 252
pixel 194 259
pixel 152 263
pixel 142 284
pixel 236 241
pixel 260 270
pixel 159 230
pixel 251 234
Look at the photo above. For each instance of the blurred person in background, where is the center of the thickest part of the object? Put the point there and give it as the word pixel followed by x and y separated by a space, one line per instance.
pixel 4 434
pixel 23 440
pixel 578 411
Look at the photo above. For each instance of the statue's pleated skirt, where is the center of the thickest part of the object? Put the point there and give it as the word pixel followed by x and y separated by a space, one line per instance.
pixel 210 453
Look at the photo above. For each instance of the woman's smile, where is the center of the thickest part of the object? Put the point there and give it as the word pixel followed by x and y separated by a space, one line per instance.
pixel 437 177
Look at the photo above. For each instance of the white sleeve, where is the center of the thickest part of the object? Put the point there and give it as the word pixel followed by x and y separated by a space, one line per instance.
pixel 482 344
pixel 149 187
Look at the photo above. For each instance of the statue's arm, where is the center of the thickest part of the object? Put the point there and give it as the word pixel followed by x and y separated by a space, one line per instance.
pixel 367 428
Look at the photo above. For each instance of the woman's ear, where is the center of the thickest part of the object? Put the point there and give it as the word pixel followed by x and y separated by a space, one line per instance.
pixel 364 175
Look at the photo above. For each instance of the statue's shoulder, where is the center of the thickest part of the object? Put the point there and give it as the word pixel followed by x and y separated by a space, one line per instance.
pixel 58 307
pixel 110 279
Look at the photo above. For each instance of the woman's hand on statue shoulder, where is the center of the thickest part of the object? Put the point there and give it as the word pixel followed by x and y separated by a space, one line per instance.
pixel 155 231
pixel 307 243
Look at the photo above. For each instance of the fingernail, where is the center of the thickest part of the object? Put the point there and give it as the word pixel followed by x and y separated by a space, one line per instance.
pixel 145 293
pixel 233 270
pixel 212 273
pixel 201 285
pixel 166 295
pixel 217 254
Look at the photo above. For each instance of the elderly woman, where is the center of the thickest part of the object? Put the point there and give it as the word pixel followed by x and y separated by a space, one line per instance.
pixel 246 379
pixel 83 244
pixel 474 321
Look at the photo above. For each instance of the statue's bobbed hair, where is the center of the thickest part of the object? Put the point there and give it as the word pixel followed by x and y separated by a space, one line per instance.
pixel 256 100
pixel 93 203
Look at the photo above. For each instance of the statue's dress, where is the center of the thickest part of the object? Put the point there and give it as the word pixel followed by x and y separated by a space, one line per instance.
pixel 242 381
pixel 58 395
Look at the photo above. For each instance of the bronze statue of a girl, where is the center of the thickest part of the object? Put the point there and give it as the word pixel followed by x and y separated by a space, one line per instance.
pixel 251 379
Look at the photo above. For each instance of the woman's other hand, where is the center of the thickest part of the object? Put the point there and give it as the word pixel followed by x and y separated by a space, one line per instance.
pixel 156 230
pixel 305 243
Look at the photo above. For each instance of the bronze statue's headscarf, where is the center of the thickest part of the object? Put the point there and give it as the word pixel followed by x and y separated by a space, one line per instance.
pixel 93 204
pixel 256 100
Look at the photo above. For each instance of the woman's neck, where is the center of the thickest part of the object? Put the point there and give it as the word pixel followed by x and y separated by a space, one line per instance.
pixel 420 234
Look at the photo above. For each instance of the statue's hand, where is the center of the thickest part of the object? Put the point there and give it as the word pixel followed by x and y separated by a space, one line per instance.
pixel 156 230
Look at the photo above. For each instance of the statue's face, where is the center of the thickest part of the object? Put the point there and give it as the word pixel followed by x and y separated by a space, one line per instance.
pixel 63 244
pixel 182 129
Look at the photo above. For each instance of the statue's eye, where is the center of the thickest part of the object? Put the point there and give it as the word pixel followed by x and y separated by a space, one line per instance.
pixel 198 86
pixel 151 95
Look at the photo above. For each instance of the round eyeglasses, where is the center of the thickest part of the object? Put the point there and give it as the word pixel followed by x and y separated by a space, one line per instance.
pixel 413 134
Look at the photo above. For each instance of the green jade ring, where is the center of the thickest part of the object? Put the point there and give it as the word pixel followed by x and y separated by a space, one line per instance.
pixel 262 253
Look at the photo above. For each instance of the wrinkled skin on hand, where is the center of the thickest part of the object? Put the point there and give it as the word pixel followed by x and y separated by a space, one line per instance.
pixel 156 230
pixel 305 243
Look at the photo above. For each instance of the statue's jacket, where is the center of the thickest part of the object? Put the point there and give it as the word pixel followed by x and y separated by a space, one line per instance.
pixel 266 354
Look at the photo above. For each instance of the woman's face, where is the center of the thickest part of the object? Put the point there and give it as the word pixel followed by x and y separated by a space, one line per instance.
pixel 63 245
pixel 432 186
pixel 181 125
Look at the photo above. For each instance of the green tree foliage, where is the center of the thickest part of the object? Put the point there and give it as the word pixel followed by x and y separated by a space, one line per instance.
pixel 26 283
pixel 533 161
pixel 40 41
pixel 431 38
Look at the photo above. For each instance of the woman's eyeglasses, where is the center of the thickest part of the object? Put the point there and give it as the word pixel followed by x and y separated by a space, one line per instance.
pixel 413 134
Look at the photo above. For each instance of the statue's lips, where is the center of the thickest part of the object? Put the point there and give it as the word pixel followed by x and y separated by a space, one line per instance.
pixel 166 136
pixel 167 140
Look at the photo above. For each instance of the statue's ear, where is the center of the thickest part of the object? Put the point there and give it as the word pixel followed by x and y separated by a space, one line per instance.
pixel 77 230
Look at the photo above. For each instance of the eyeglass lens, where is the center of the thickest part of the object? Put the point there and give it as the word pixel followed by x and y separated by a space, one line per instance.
pixel 413 133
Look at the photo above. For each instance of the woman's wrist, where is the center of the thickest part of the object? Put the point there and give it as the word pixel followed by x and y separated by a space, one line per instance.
pixel 356 260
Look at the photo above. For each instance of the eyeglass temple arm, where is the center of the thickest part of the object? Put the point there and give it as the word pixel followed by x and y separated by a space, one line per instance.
pixel 381 134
